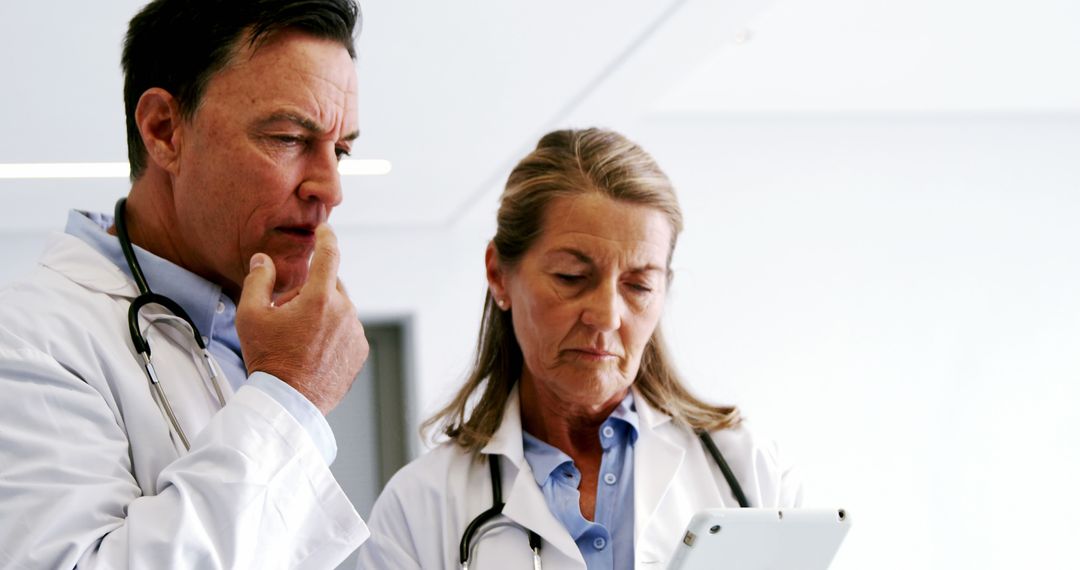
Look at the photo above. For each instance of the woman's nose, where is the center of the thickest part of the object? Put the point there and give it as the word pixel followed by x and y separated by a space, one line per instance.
pixel 603 308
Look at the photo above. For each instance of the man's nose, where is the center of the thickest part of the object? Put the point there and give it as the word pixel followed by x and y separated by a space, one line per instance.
pixel 322 182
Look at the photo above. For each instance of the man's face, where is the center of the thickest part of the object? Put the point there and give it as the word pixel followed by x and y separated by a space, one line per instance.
pixel 257 168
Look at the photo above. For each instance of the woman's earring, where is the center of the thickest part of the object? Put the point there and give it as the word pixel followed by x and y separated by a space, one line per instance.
pixel 501 303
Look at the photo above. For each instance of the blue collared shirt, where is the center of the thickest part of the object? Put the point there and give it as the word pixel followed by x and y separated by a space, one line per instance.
pixel 608 541
pixel 214 313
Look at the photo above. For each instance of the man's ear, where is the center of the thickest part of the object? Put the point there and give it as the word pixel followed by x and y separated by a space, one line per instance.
pixel 158 117
pixel 496 277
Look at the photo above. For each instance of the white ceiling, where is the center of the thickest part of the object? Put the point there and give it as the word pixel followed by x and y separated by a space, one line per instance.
pixel 842 56
pixel 452 93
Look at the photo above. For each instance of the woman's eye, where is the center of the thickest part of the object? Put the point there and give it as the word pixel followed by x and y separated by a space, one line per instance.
pixel 569 278
pixel 341 152
pixel 639 288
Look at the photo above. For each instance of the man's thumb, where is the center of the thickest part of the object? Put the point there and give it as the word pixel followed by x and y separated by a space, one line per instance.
pixel 259 283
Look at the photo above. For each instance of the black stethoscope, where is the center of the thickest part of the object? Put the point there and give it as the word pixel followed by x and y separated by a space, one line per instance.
pixel 148 297
pixel 497 503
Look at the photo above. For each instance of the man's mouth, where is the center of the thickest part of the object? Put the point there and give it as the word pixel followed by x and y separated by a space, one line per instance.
pixel 303 232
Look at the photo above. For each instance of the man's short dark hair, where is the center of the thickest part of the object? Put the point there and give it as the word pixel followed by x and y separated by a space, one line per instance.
pixel 178 45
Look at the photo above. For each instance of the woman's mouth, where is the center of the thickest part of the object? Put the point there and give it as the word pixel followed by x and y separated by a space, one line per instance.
pixel 593 354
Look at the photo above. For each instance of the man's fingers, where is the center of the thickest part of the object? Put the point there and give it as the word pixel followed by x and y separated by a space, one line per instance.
pixel 287 296
pixel 259 284
pixel 322 275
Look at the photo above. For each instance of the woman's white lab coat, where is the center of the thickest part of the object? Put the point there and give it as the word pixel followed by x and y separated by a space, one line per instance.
pixel 90 473
pixel 418 520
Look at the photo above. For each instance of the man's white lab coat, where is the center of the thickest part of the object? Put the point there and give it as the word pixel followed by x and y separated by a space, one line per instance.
pixel 91 474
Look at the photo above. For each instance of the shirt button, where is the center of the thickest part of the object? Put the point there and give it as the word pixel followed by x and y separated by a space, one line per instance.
pixel 608 431
pixel 610 478
pixel 220 307
pixel 599 543
pixel 206 341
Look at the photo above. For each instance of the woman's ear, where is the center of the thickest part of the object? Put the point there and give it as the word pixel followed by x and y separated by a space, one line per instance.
pixel 158 117
pixel 496 277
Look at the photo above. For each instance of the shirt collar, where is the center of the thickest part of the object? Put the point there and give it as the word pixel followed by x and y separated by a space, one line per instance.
pixel 196 295
pixel 543 457
pixel 626 412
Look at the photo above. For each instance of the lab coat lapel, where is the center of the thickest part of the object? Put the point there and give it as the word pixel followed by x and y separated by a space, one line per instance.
pixel 657 462
pixel 525 502
pixel 194 403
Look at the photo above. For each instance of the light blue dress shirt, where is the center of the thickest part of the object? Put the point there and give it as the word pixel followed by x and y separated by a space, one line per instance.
pixel 213 312
pixel 608 541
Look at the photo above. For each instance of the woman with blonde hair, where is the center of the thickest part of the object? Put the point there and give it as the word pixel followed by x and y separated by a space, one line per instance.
pixel 573 443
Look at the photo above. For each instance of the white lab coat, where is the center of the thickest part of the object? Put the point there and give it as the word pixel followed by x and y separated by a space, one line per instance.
pixel 90 472
pixel 419 519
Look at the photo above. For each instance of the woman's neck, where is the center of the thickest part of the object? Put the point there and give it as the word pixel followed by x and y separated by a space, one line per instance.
pixel 569 426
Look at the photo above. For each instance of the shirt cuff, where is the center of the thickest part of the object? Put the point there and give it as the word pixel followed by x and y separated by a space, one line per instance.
pixel 300 408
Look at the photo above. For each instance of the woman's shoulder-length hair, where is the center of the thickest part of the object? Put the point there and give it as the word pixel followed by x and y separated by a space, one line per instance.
pixel 568 163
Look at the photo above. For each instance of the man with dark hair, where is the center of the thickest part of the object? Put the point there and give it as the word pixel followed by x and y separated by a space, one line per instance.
pixel 177 418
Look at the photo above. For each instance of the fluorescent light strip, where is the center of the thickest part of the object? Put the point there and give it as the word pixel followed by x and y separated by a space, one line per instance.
pixel 374 167
pixel 364 167
pixel 65 170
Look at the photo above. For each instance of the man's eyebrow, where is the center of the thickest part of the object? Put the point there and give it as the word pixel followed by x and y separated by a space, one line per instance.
pixel 304 122
pixel 300 120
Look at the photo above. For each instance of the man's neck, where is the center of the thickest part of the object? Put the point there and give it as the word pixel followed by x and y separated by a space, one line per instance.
pixel 152 224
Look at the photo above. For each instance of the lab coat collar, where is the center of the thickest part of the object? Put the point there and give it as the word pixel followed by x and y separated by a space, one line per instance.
pixel 525 503
pixel 648 416
pixel 658 457
pixel 85 266
pixel 507 440
pixel 198 296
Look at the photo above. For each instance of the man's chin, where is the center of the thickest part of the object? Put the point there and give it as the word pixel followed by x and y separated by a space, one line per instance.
pixel 290 277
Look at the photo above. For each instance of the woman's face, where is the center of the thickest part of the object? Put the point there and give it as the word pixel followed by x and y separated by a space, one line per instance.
pixel 587 296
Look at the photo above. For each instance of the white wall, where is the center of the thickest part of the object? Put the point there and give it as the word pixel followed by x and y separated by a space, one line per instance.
pixel 895 300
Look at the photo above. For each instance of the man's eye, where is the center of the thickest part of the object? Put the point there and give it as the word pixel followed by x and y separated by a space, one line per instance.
pixel 639 288
pixel 569 278
pixel 288 139
pixel 342 152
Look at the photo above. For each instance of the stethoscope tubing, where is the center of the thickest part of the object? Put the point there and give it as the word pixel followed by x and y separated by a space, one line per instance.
pixel 142 347
pixel 497 503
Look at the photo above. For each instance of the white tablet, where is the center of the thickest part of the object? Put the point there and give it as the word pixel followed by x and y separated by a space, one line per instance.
pixel 761 539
